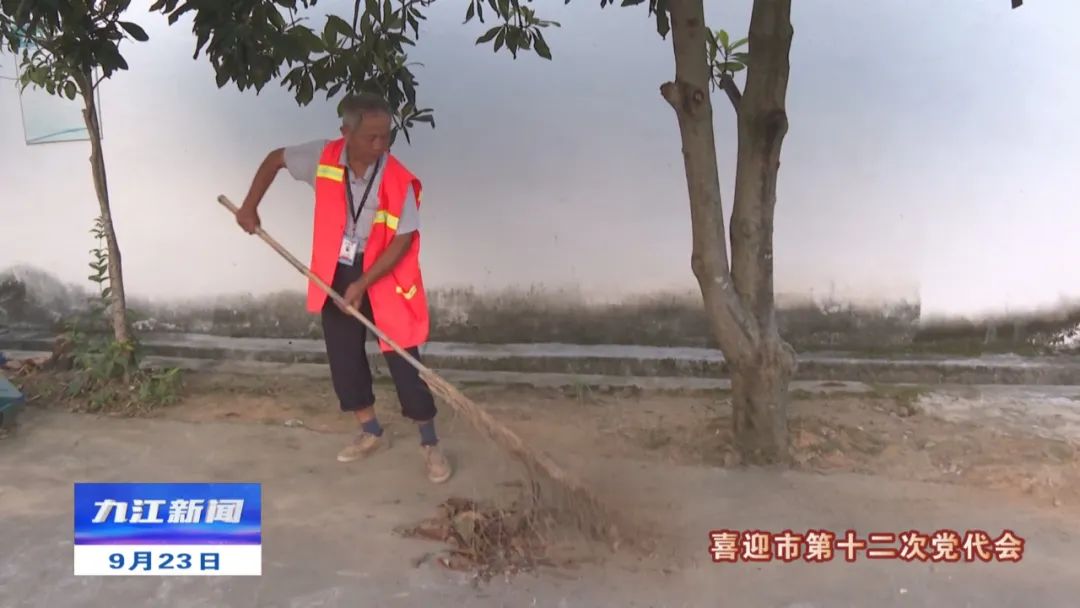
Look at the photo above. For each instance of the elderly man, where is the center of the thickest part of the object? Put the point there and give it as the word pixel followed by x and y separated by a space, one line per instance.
pixel 366 245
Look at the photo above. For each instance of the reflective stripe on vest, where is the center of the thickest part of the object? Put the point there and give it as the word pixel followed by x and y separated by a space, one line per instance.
pixel 385 217
pixel 330 172
pixel 408 295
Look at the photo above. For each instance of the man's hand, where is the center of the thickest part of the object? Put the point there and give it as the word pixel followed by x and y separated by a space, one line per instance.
pixel 248 218
pixel 354 294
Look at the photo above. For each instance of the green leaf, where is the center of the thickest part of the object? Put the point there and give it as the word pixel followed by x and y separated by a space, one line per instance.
pixel 732 66
pixel 135 31
pixel 329 34
pixel 110 59
pixel 469 14
pixel 516 40
pixel 722 36
pixel 504 8
pixel 738 43
pixel 311 41
pixel 340 26
pixel 490 35
pixel 663 26
pixel 500 39
pixel 306 91
pixel 367 28
pixel 541 46
pixel 69 89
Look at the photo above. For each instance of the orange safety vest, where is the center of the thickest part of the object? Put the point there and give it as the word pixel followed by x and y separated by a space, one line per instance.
pixel 398 301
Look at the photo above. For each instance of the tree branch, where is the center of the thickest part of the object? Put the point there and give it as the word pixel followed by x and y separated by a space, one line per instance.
pixel 732 89
pixel 762 120
pixel 671 93
pixel 355 19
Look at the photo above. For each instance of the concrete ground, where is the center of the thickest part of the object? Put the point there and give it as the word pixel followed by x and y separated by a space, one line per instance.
pixel 328 537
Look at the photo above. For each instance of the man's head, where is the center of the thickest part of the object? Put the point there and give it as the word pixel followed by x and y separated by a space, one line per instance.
pixel 366 123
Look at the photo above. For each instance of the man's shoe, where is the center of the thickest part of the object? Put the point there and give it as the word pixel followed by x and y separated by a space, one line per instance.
pixel 438 468
pixel 362 446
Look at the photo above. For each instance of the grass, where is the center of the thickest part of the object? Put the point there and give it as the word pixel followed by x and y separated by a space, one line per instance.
pixel 141 393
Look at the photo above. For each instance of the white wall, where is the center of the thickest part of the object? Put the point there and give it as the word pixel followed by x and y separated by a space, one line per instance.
pixel 930 154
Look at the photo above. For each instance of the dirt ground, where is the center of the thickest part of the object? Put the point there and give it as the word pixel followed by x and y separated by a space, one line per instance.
pixel 883 433
pixel 862 461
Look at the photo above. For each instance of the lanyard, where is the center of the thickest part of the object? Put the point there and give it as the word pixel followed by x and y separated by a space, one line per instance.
pixel 348 192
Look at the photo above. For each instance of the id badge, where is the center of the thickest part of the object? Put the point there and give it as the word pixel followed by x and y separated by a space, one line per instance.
pixel 348 250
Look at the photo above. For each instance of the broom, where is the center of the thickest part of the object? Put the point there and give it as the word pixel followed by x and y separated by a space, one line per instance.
pixel 570 500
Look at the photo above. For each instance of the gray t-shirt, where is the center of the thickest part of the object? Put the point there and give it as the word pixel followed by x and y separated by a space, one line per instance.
pixel 302 161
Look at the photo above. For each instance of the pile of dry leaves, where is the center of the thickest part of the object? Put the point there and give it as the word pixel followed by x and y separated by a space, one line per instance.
pixel 483 539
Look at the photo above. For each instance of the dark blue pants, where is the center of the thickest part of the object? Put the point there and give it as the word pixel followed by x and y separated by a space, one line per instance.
pixel 350 371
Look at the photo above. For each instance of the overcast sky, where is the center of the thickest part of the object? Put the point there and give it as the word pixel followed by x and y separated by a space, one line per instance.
pixel 932 153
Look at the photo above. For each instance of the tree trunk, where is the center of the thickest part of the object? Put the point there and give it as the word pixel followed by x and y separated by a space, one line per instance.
pixel 739 301
pixel 759 403
pixel 118 302
pixel 760 396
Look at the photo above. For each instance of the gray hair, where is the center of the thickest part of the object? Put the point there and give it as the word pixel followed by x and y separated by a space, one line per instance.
pixel 353 107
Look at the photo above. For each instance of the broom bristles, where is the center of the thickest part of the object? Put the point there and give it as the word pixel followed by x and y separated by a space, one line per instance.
pixel 570 500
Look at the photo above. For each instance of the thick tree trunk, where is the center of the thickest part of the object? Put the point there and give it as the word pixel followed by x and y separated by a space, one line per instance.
pixel 118 302
pixel 759 402
pixel 760 394
pixel 739 301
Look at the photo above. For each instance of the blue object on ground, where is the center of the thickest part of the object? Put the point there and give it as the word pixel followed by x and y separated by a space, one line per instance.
pixel 11 401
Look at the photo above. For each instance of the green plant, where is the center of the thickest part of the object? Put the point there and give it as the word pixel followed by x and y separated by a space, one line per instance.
pixel 724 58
pixel 106 373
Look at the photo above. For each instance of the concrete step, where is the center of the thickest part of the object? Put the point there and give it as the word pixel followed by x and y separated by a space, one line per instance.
pixel 609 360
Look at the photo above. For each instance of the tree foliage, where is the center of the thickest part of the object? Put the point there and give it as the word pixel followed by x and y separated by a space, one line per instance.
pixel 66 47
pixel 251 43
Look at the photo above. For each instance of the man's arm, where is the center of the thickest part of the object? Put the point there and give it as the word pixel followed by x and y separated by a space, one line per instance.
pixel 389 258
pixel 248 216
pixel 383 264
pixel 408 226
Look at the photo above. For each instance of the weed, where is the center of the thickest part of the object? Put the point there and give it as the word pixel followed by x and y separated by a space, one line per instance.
pixel 106 375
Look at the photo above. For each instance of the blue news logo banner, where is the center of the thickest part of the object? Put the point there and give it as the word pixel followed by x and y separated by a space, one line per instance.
pixel 168 514
pixel 168 529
